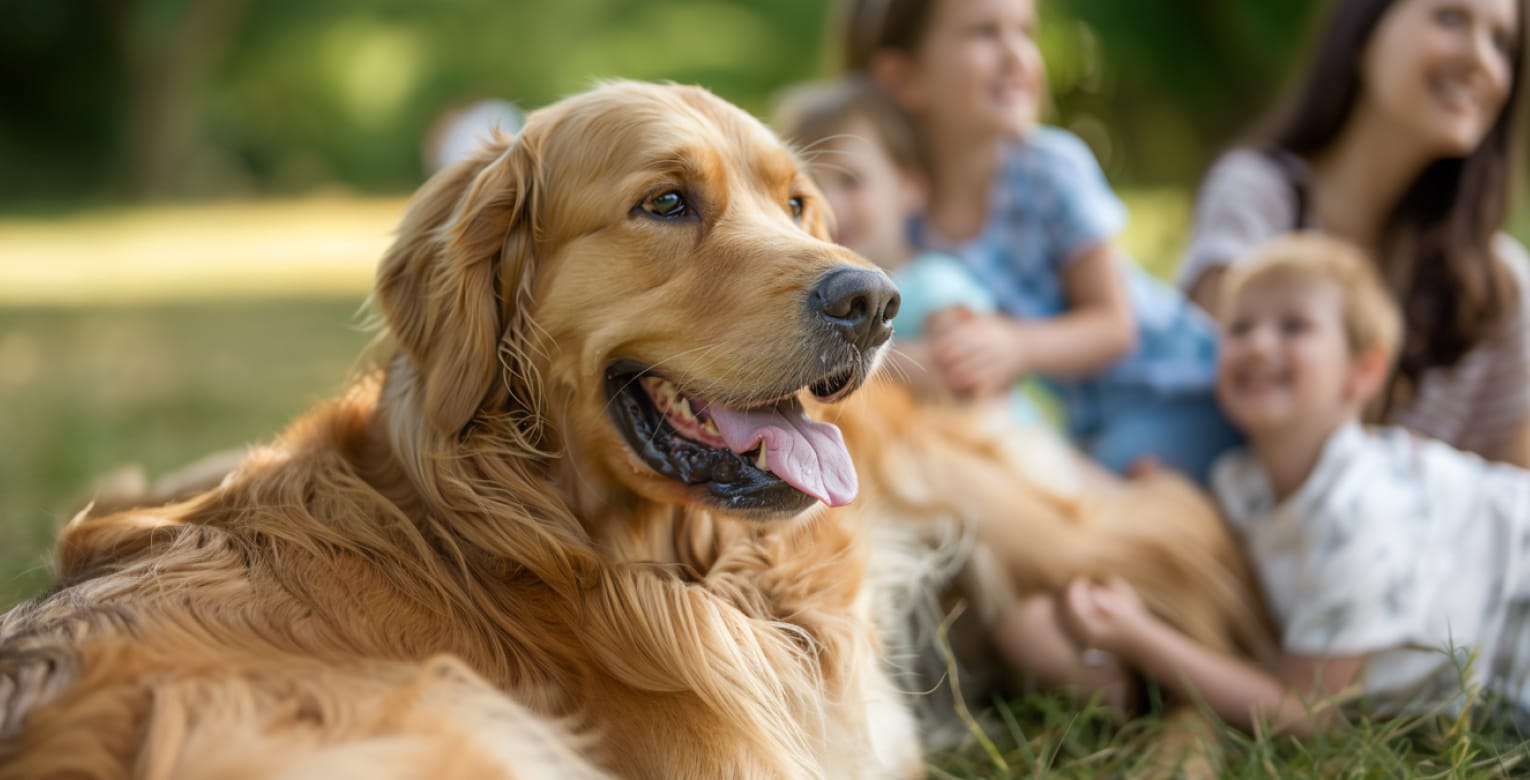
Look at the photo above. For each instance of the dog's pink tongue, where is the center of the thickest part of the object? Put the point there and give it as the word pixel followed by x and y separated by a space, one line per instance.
pixel 808 454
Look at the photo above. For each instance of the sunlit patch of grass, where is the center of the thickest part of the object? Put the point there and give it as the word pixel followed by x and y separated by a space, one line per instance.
pixel 1156 230
pixel 319 247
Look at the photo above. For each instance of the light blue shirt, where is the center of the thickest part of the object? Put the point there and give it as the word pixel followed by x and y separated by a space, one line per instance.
pixel 1051 203
pixel 931 282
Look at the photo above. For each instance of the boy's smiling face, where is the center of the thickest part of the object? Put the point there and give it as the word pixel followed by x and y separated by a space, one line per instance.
pixel 1285 359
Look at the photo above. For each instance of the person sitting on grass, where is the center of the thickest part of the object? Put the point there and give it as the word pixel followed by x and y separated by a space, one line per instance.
pixel 1027 209
pixel 1395 567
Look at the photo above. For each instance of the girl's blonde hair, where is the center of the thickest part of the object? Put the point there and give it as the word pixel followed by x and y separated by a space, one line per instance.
pixel 1371 317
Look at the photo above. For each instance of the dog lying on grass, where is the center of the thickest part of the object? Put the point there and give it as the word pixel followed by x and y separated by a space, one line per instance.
pixel 576 524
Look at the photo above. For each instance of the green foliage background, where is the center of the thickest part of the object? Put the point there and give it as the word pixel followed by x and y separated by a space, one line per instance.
pixel 114 100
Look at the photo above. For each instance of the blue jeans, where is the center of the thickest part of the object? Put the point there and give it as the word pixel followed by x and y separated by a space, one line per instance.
pixel 1117 426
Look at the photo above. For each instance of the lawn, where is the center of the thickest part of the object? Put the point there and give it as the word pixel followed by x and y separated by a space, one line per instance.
pixel 152 337
pixel 86 391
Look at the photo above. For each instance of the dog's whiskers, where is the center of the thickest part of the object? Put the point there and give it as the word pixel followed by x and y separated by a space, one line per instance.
pixel 814 147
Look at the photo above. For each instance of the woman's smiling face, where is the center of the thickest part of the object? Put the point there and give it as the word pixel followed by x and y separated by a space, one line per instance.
pixel 1441 70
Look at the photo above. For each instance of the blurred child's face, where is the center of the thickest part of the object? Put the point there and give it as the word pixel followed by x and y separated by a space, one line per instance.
pixel 1285 361
pixel 978 67
pixel 871 197
pixel 1441 70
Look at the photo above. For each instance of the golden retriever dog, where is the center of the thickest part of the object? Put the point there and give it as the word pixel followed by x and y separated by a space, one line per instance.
pixel 575 526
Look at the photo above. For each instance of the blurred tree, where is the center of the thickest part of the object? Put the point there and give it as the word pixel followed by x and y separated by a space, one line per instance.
pixel 170 48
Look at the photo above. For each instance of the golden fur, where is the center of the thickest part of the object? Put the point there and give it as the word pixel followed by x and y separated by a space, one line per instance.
pixel 459 569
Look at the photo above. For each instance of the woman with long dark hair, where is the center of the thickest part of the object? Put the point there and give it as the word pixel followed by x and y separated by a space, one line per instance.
pixel 1404 138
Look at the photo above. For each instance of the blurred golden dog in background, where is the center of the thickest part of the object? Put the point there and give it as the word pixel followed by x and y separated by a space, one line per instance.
pixel 979 512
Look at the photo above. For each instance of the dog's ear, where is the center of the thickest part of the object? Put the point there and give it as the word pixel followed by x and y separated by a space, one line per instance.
pixel 464 241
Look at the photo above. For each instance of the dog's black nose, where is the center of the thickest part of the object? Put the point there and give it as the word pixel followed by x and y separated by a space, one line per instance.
pixel 858 303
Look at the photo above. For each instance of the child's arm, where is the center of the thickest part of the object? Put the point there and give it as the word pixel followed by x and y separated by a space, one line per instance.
pixel 987 354
pixel 1112 617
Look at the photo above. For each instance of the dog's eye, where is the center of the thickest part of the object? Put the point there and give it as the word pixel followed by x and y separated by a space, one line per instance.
pixel 795 203
pixel 669 205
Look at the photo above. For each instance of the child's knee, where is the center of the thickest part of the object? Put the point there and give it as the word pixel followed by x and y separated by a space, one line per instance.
pixel 1028 618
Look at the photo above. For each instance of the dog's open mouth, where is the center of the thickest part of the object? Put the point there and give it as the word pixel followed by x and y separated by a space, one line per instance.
pixel 768 456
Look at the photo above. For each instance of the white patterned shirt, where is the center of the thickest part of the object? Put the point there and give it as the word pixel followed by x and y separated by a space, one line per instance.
pixel 1398 548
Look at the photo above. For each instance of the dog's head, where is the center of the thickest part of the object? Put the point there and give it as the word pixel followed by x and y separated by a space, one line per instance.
pixel 643 278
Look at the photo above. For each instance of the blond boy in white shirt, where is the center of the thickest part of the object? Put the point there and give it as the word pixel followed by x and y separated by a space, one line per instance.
pixel 1394 566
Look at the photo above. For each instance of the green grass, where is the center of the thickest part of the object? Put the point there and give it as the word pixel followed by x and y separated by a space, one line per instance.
pixel 87 387
pixel 85 391
pixel 1043 735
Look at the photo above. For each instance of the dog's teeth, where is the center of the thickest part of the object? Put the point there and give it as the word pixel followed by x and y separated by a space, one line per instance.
pixel 759 460
pixel 661 390
pixel 711 427
pixel 684 410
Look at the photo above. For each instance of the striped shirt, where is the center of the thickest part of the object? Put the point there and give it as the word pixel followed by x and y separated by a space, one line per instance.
pixel 1477 405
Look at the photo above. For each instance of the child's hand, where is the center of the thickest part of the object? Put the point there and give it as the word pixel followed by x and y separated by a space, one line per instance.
pixel 979 356
pixel 1107 616
pixel 945 320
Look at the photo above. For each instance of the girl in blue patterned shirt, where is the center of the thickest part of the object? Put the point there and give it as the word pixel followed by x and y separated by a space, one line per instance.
pixel 1028 210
